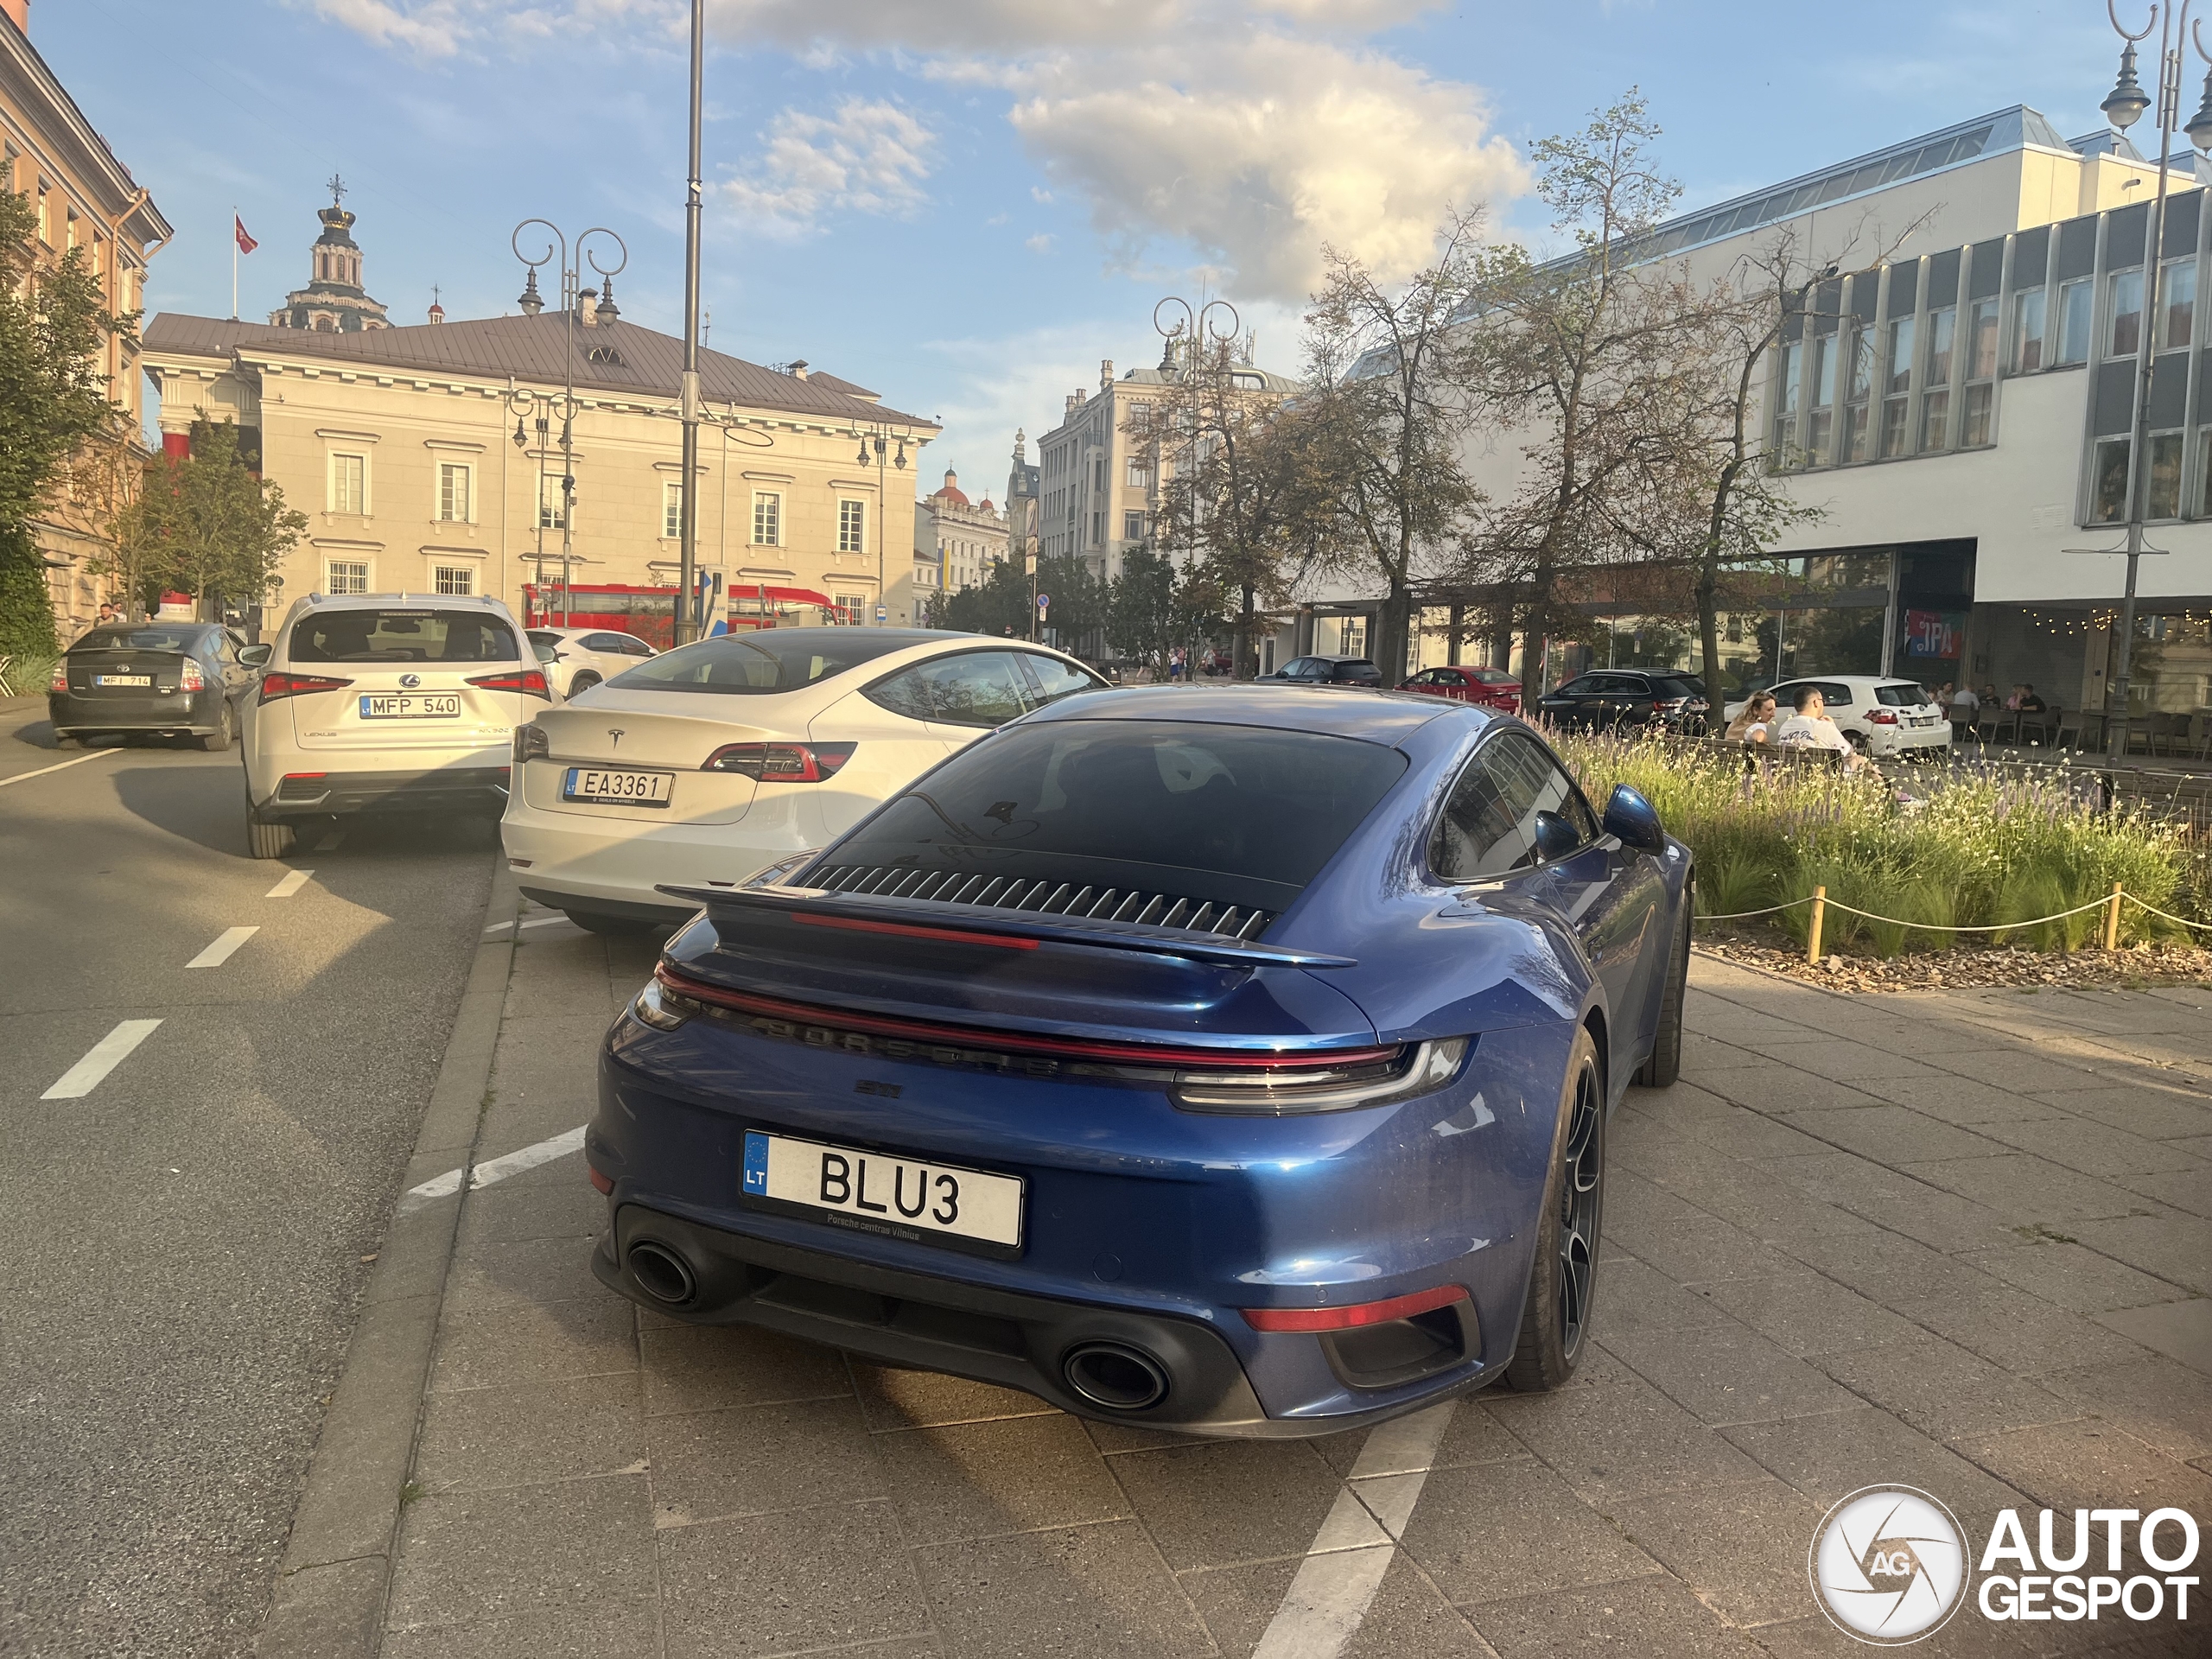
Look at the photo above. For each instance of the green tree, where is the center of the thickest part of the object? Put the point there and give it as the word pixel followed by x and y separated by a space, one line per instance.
pixel 1141 605
pixel 220 529
pixel 997 605
pixel 54 326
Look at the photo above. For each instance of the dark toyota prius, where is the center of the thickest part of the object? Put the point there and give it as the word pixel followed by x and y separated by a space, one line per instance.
pixel 168 679
pixel 1232 1062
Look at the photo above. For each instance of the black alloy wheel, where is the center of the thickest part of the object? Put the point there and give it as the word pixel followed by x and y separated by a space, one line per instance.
pixel 1562 1280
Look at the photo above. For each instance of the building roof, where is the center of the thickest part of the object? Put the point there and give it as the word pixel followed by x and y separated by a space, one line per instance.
pixel 617 357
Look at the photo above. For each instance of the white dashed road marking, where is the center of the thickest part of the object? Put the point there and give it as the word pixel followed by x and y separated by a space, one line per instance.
pixel 290 885
pixel 1354 1548
pixel 219 952
pixel 109 1052
pixel 539 921
pixel 78 760
pixel 493 1170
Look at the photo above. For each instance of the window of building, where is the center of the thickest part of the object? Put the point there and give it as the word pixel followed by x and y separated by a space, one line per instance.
pixel 349 483
pixel 1935 407
pixel 1140 417
pixel 1133 526
pixel 453 578
pixel 1097 528
pixel 454 504
pixel 768 519
pixel 1820 425
pixel 855 606
pixel 2108 480
pixel 1786 405
pixel 1897 389
pixel 1861 389
pixel 2074 321
pixel 671 509
pixel 1140 473
pixel 2176 304
pixel 551 514
pixel 45 216
pixel 1098 474
pixel 2126 295
pixel 345 577
pixel 1982 375
pixel 852 526
pixel 925 575
pixel 2027 332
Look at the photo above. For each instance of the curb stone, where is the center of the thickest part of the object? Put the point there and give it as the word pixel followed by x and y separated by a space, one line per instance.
pixel 329 1598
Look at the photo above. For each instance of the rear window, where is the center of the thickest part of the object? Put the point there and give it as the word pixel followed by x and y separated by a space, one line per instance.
pixel 1493 676
pixel 1228 813
pixel 1902 695
pixel 401 635
pixel 141 639
pixel 1668 686
pixel 775 659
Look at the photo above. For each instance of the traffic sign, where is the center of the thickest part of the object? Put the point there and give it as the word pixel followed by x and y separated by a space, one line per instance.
pixel 1043 600
pixel 882 614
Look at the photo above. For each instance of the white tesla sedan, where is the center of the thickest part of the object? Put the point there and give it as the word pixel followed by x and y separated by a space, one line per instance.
pixel 705 765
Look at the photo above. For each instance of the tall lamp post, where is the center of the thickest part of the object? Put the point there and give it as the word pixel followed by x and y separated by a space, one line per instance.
pixel 2124 106
pixel 568 262
pixel 879 438
pixel 1201 333
pixel 687 498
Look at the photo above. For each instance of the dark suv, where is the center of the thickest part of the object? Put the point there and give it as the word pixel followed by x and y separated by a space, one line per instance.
pixel 1326 670
pixel 1628 697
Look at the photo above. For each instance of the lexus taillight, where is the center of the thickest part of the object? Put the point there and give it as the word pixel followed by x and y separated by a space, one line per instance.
pixel 276 685
pixel 531 744
pixel 192 679
pixel 1881 717
pixel 530 681
pixel 781 763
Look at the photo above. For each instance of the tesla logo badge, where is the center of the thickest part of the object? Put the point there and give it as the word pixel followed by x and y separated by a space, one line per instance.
pixel 615 732
pixel 410 681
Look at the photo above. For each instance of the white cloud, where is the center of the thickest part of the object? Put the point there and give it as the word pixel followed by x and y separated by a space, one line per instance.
pixel 1272 147
pixel 995 28
pixel 435 29
pixel 868 157
pixel 1040 243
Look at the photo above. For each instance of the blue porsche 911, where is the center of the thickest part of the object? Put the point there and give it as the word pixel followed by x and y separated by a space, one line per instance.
pixel 1231 1062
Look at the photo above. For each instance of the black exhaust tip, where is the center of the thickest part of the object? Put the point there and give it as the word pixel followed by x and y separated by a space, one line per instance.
pixel 1114 1375
pixel 661 1273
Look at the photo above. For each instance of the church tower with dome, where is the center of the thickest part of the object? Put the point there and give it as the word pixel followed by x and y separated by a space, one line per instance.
pixel 333 302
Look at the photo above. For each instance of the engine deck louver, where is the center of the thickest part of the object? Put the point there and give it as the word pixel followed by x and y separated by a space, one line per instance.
pixel 1046 898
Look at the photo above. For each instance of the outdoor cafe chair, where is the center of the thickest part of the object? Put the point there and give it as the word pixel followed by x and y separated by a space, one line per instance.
pixel 2043 725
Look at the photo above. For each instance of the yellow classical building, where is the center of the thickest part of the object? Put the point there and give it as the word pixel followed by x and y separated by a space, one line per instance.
pixel 85 198
pixel 430 458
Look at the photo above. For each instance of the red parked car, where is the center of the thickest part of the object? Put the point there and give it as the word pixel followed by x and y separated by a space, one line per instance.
pixel 1493 688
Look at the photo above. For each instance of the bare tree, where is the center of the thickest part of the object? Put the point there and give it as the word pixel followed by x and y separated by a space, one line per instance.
pixel 1394 391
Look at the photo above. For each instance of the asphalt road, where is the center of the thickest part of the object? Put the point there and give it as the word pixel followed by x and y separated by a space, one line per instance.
pixel 183 1242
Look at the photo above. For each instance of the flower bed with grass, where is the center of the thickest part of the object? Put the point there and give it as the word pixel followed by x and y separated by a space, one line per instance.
pixel 1977 852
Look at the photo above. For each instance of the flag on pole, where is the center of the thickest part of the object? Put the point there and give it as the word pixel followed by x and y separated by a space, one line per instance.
pixel 247 244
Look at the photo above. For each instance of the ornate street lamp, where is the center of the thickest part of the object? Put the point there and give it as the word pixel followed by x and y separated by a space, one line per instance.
pixel 2124 105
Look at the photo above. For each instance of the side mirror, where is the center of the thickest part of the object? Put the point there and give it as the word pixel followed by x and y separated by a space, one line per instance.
pixel 1555 838
pixel 256 656
pixel 1635 820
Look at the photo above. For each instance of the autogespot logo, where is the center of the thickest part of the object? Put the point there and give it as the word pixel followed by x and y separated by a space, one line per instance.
pixel 1889 1565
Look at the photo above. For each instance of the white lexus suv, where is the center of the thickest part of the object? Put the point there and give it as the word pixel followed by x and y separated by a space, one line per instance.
pixel 384 703
pixel 704 764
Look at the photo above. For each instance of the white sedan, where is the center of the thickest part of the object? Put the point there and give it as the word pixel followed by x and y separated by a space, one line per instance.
pixel 576 659
pixel 708 763
pixel 1879 715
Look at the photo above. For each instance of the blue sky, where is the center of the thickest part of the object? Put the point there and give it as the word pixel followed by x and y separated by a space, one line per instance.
pixel 966 204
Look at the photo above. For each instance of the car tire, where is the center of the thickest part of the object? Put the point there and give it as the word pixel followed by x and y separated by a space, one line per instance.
pixel 1555 1316
pixel 599 921
pixel 1666 1062
pixel 581 682
pixel 226 729
pixel 268 840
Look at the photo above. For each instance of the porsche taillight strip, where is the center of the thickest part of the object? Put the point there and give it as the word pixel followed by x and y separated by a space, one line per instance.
pixel 1063 1048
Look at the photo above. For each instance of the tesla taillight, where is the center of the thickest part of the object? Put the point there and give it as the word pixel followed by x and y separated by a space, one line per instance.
pixel 781 763
pixel 530 743
pixel 192 679
pixel 530 681
pixel 276 685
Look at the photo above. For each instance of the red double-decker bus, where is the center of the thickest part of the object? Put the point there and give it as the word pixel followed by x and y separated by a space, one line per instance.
pixel 650 612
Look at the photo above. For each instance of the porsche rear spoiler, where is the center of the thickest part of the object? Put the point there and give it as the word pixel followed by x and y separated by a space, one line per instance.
pixel 984 925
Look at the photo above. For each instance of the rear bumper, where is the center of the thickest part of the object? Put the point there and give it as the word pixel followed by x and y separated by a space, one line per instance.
pixel 1011 1339
pixel 178 714
pixel 1889 740
pixel 478 790
pixel 617 865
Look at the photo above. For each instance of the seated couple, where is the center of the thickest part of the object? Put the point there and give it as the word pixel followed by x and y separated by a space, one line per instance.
pixel 1808 729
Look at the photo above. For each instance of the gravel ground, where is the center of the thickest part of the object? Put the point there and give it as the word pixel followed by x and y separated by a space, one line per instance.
pixel 1964 968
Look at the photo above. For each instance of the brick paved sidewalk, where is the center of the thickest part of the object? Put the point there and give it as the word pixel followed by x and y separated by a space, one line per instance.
pixel 1958 1241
